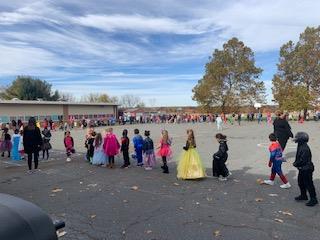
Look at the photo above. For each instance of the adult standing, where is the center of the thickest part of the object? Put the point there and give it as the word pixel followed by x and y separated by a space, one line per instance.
pixel 239 118
pixel 282 129
pixel 32 142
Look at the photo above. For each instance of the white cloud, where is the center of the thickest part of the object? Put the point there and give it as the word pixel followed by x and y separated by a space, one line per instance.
pixel 39 11
pixel 139 23
pixel 25 60
pixel 266 25
pixel 69 39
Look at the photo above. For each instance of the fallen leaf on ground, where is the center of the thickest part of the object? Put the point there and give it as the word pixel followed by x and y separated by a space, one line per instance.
pixel 286 213
pixel 278 220
pixel 135 188
pixel 92 185
pixel 217 233
pixel 260 181
pixel 258 199
pixel 55 190
pixel 61 234
pixel 273 195
pixel 176 184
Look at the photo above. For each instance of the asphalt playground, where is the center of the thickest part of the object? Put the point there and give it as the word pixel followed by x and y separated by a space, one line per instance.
pixel 98 203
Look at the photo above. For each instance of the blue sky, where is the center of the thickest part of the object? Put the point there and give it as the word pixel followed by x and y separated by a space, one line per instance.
pixel 152 49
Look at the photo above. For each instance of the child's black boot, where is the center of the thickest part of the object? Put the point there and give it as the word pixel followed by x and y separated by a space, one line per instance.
pixel 312 202
pixel 301 198
pixel 165 169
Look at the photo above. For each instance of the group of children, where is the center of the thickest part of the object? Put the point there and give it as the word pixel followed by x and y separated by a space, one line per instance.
pixel 102 150
pixel 190 165
pixel 303 162
pixel 13 145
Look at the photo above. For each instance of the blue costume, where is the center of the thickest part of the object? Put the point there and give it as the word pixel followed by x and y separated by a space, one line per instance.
pixel 275 161
pixel 16 138
pixel 138 147
pixel 276 158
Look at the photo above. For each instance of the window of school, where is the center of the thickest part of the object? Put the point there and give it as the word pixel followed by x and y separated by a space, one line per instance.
pixel 4 119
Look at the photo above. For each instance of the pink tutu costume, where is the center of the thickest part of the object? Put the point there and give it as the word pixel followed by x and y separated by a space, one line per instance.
pixel 111 145
pixel 165 149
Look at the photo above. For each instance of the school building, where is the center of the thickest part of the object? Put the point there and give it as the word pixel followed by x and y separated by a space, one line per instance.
pixel 57 111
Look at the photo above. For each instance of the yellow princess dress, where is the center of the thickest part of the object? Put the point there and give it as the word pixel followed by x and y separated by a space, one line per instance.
pixel 190 165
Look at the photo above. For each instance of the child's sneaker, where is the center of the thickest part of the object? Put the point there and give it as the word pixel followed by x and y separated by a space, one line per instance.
pixel 68 159
pixel 285 186
pixel 148 168
pixel 222 179
pixel 268 182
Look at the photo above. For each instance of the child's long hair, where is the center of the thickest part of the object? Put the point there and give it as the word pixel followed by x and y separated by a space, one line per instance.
pixel 125 133
pixel 98 140
pixel 220 136
pixel 165 136
pixel 191 140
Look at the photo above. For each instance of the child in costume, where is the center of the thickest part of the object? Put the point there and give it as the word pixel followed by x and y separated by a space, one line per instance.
pixel 125 141
pixel 69 145
pixel 6 143
pixel 148 152
pixel 89 145
pixel 99 157
pixel 269 118
pixel 219 168
pixel 111 146
pixel 303 163
pixel 165 151
pixel 46 145
pixel 21 147
pixel 219 123
pixel 138 147
pixel 15 145
pixel 275 162
pixel 190 165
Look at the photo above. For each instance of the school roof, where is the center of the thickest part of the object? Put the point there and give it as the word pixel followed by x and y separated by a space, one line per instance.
pixel 55 103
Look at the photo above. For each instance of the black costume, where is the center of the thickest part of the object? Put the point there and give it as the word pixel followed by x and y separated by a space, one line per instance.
pixel 46 145
pixel 282 130
pixel 303 163
pixel 90 148
pixel 125 151
pixel 219 167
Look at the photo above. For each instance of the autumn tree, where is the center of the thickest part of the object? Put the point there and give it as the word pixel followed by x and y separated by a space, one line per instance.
pixel 130 101
pixel 96 98
pixel 29 88
pixel 230 79
pixel 296 85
